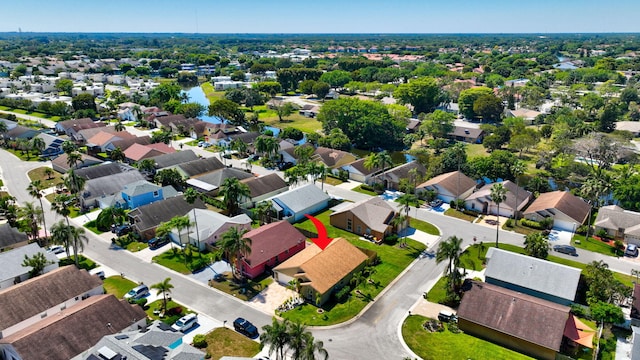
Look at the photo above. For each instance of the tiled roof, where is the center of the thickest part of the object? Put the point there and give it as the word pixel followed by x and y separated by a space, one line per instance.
pixel 272 239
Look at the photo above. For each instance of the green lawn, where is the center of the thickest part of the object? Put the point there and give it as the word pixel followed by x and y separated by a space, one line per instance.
pixel 23 155
pixel 424 226
pixel 210 93
pixel 594 245
pixel 243 292
pixel 47 181
pixel 167 318
pixel 118 286
pixel 447 345
pixel 393 260
pixel 226 342
pixel 363 191
pixel 332 181
pixel 459 215
pixel 91 225
pixel 476 150
pixel 520 229
pixel 438 293
pixel 83 261
pixel 174 260
pixel 295 120
pixel 31 113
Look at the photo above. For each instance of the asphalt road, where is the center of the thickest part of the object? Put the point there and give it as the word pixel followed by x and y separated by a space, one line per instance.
pixel 374 335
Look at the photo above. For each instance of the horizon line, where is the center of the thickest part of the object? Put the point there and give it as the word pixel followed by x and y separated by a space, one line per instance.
pixel 321 33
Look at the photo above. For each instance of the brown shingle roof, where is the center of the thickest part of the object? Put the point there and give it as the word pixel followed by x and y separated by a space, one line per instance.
pixel 124 144
pixel 264 184
pixel 563 201
pixel 151 215
pixel 326 268
pixel 359 165
pixel 272 239
pixel 76 123
pixel 137 152
pixel 522 316
pixel 449 181
pixel 36 295
pixel 74 330
pixel 466 132
pixel 104 137
pixel 87 160
pixel 375 213
pixel 330 157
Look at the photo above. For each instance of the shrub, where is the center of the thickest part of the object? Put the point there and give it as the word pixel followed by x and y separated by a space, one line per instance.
pixel 391 239
pixel 141 302
pixel 470 212
pixel 509 223
pixel 366 187
pixel 200 341
pixel 342 293
pixel 532 224
pixel 582 229
pixel 547 223
pixel 580 311
pixel 453 328
pixel 174 311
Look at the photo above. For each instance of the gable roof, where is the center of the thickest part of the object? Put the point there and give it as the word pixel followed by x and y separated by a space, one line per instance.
pixel 124 144
pixel 325 268
pixel 103 137
pixel 615 217
pixel 86 160
pixel 162 147
pixel 149 216
pixel 137 152
pixel 98 187
pixel 75 329
pixel 467 132
pixel 532 273
pixel 98 171
pixel 67 124
pixel 330 157
pixel 264 184
pixel 563 201
pixel 10 236
pixel 505 311
pixel 175 158
pixel 210 221
pixel 34 296
pixel 217 177
pixel 374 212
pixel 524 113
pixel 510 202
pixel 200 166
pixel 87 133
pixel 272 239
pixel 450 181
pixel 12 260
pixel 301 198
pixel 140 187
pixel 402 171
pixel 359 165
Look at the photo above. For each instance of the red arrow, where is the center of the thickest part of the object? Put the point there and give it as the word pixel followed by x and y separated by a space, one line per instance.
pixel 322 240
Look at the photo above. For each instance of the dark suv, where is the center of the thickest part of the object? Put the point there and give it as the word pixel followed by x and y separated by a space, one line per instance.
pixel 246 328
pixel 158 242
pixel 122 230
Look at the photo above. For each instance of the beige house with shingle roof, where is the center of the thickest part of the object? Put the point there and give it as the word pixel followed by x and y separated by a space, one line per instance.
pixel 449 186
pixel 619 223
pixel 372 216
pixel 516 199
pixel 321 272
pixel 567 210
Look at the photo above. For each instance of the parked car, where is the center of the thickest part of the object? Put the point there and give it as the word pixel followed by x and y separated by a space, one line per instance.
pixel 185 323
pixel 56 249
pixel 100 274
pixel 565 249
pixel 137 292
pixel 245 328
pixel 631 250
pixel 436 203
pixel 123 230
pixel 200 143
pixel 158 242
pixel 447 316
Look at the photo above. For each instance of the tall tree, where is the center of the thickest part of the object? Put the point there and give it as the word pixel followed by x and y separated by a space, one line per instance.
pixel 276 336
pixel 518 168
pixel 79 238
pixel 117 155
pixel 450 250
pixel 73 159
pixel 35 190
pixel 60 234
pixel 164 287
pixel 537 245
pixel 62 206
pixel 37 145
pixel 31 216
pixel 235 246
pixel 498 195
pixel 38 262
pixel 232 191
pixel 423 94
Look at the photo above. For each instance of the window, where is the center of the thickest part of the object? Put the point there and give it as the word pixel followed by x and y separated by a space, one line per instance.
pixel 349 224
pixel 156 193
pixel 359 230
pixel 43 315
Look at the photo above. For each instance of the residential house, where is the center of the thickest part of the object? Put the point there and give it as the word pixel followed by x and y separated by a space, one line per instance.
pixel 449 186
pixel 168 120
pixel 52 145
pixel 71 127
pixel 137 152
pixel 373 216
pixel 295 203
pixel 76 329
pixel 521 322
pixel 619 223
pixel 95 189
pixel 11 238
pixel 528 115
pixel 210 227
pixel 467 134
pixel 12 272
pixel 157 341
pixel 635 306
pixel 210 182
pixel 124 144
pixel 516 199
pixel 318 272
pixel 198 167
pixel 145 219
pixel 332 158
pixel 178 157
pixel 45 296
pixel 358 172
pixel 413 125
pixel 82 136
pixel 262 188
pixel 567 210
pixel 102 170
pixel 248 138
pixel 60 163
pixel 100 142
pixel 390 179
pixel 143 192
pixel 532 276
pixel 271 244
pixel 631 126
pixel 21 132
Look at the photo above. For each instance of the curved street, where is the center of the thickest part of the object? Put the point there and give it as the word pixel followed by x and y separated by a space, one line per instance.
pixel 373 335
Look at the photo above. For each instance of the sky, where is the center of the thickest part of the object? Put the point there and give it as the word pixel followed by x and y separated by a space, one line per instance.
pixel 323 16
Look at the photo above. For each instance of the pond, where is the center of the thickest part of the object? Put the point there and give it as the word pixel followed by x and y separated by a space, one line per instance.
pixel 398 157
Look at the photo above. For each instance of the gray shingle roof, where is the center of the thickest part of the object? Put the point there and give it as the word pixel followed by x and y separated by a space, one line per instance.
pixel 532 273
pixel 265 184
pixel 303 197
pixel 139 188
pixel 10 236
pixel 149 216
pixel 95 188
pixel 217 177
pixel 175 158
pixel 12 260
pixel 98 171
pixel 375 213
pixel 614 217
pixel 200 166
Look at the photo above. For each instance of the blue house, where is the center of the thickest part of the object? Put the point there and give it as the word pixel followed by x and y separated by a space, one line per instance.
pixel 52 145
pixel 143 192
pixel 292 205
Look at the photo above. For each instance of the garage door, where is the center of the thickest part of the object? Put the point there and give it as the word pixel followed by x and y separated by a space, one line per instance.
pixel 564 225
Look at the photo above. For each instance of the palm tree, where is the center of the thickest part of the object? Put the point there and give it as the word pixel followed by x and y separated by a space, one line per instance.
pixel 37 145
pixel 32 216
pixel 235 246
pixel 73 158
pixel 119 126
pixel 232 191
pixel 379 160
pixel 69 147
pixel 276 336
pixel 313 347
pixel 164 230
pixel 303 154
pixel 48 172
pixel 296 339
pixel 147 165
pixel 60 234
pixel 79 237
pixel 592 189
pixel 406 200
pixel 451 250
pixel 74 183
pixel 62 206
pixel 180 223
pixel 261 211
pixel 117 155
pixel 3 130
pixel 498 195
pixel 35 190
pixel 537 245
pixel 517 169
pixel 191 195
pixel 164 287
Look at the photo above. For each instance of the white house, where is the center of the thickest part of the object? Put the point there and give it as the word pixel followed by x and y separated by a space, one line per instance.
pixel 12 272
pixel 294 204
pixel 449 186
pixel 516 198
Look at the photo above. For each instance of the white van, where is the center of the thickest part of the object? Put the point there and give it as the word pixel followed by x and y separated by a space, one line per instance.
pixel 185 323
